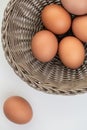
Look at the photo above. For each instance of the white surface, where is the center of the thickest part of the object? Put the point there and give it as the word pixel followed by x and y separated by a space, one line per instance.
pixel 51 112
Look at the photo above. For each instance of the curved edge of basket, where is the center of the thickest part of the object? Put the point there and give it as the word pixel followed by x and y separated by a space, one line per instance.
pixel 17 69
pixel 5 46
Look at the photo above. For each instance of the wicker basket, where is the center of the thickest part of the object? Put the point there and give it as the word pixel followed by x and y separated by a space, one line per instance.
pixel 21 21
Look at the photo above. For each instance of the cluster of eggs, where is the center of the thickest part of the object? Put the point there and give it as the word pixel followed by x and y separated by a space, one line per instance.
pixel 57 20
pixel 45 46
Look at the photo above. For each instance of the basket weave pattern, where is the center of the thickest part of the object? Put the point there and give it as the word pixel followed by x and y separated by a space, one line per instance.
pixel 21 21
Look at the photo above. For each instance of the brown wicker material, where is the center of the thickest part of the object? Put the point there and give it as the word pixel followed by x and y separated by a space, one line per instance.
pixel 21 21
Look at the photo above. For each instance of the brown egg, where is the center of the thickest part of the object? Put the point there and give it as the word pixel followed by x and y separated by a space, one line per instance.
pixel 56 19
pixel 44 46
pixel 18 110
pixel 79 28
pixel 71 52
pixel 77 7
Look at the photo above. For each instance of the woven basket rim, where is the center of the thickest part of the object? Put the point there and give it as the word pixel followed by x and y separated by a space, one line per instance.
pixel 16 68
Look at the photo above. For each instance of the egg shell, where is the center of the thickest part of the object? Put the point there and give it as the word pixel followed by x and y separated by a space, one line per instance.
pixel 17 110
pixel 71 52
pixel 77 7
pixel 79 27
pixel 56 19
pixel 44 45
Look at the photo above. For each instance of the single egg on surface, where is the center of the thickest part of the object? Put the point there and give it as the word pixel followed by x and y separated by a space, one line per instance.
pixel 17 110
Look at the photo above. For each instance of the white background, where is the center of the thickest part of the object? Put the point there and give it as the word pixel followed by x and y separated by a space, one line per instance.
pixel 50 112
